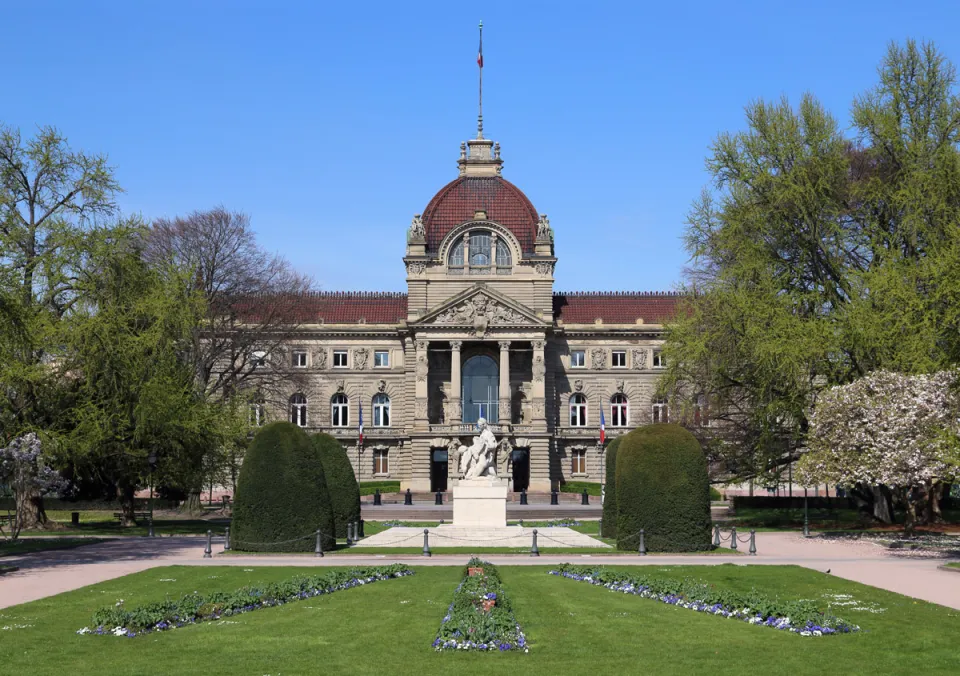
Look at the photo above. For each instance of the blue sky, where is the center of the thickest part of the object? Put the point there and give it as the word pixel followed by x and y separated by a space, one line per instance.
pixel 331 124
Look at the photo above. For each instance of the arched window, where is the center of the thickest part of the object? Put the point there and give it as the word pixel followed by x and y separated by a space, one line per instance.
pixel 298 410
pixel 618 410
pixel 661 413
pixel 455 262
pixel 339 410
pixel 381 411
pixel 578 411
pixel 480 256
pixel 481 390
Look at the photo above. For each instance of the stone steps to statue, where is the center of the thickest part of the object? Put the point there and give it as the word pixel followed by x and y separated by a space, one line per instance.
pixel 430 498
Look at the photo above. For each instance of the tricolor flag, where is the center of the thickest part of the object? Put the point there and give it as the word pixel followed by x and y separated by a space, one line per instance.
pixel 603 428
pixel 360 441
pixel 480 53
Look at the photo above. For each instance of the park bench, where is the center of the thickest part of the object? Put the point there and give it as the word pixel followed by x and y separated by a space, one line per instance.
pixel 136 515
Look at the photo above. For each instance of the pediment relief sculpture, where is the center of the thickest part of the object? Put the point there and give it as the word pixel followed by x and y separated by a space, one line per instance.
pixel 480 309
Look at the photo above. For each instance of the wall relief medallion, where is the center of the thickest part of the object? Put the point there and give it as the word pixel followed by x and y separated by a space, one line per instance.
pixel 620 386
pixel 416 269
pixel 578 385
pixel 422 367
pixel 341 386
pixel 544 269
pixel 639 359
pixel 539 368
pixel 598 358
pixel 320 359
pixel 381 385
pixel 420 408
pixel 360 356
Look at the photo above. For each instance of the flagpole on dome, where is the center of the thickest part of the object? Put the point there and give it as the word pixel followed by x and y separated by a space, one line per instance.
pixel 480 64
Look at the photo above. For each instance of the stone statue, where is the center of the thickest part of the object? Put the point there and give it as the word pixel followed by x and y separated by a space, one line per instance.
pixel 477 460
pixel 417 229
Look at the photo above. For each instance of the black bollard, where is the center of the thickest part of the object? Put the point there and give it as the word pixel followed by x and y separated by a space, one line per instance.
pixel 733 538
pixel 377 500
pixel 438 499
pixel 523 496
pixel 361 529
pixel 585 498
pixel 806 516
pixel 349 533
pixel 642 551
pixel 318 550
pixel 753 543
pixel 208 552
pixel 600 526
pixel 408 498
pixel 716 536
pixel 226 539
pixel 426 542
pixel 534 551
pixel 554 498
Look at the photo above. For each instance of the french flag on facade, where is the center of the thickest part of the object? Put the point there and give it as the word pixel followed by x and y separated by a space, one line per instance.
pixel 603 428
pixel 360 441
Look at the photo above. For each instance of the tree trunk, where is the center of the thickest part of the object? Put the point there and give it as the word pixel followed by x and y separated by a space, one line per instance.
pixel 30 511
pixel 874 500
pixel 125 496
pixel 192 505
pixel 910 520
pixel 931 511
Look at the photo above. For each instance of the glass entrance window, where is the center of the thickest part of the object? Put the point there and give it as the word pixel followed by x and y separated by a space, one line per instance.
pixel 481 389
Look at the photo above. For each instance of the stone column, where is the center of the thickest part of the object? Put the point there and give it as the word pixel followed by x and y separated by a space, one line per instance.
pixel 420 408
pixel 466 252
pixel 505 382
pixel 538 395
pixel 456 405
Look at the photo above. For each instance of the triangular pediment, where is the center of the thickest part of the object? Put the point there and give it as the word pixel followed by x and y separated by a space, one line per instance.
pixel 480 305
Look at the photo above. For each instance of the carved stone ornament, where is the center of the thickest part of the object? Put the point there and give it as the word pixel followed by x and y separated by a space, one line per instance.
pixel 420 408
pixel 544 231
pixel 360 358
pixel 503 408
pixel 504 345
pixel 341 386
pixel 480 310
pixel 320 359
pixel 415 269
pixel 422 367
pixel 639 359
pixel 455 345
pixel 538 345
pixel 578 385
pixel 381 385
pixel 539 369
pixel 544 269
pixel 598 358
pixel 417 230
pixel 620 385
pixel 422 345
pixel 504 458
pixel 539 408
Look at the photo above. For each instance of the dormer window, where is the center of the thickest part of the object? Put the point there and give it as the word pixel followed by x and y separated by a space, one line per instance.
pixel 480 252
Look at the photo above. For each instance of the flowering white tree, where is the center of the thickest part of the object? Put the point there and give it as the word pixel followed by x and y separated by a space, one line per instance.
pixel 25 471
pixel 887 429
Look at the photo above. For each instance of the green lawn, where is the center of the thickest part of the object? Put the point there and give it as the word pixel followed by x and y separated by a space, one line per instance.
pixel 28 546
pixel 768 518
pixel 953 565
pixel 387 627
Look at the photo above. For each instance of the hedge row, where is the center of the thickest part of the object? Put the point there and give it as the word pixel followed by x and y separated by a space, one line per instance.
pixel 341 482
pixel 610 494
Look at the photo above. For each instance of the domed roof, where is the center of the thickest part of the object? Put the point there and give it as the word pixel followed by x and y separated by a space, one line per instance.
pixel 459 200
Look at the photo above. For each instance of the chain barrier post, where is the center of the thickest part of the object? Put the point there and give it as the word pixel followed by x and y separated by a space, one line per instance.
pixel 351 533
pixel 600 526
pixel 806 516
pixel 377 500
pixel 208 552
pixel 408 498
pixel 733 538
pixel 438 499
pixel 534 551
pixel 361 529
pixel 426 542
pixel 226 539
pixel 753 543
pixel 716 535
pixel 554 498
pixel 585 497
pixel 523 496
pixel 318 550
pixel 643 545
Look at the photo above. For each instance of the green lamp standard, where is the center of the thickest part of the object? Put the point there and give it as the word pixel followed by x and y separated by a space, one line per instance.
pixel 152 460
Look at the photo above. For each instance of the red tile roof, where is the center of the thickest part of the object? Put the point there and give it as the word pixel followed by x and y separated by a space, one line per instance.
pixel 502 200
pixel 614 307
pixel 336 307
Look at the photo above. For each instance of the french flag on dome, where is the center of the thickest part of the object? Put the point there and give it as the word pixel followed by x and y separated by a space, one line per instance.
pixel 480 53
pixel 360 441
pixel 603 428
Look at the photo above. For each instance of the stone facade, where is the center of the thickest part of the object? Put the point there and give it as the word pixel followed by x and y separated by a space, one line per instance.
pixel 480 269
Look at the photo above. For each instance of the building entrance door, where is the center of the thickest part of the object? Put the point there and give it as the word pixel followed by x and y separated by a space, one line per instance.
pixel 521 469
pixel 481 389
pixel 438 471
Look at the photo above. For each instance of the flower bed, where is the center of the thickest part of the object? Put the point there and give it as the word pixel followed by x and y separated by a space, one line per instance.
pixel 552 523
pixel 802 617
pixel 480 616
pixel 193 608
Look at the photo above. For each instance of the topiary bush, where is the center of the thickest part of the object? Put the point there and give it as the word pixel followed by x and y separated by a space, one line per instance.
pixel 663 488
pixel 281 494
pixel 341 482
pixel 610 492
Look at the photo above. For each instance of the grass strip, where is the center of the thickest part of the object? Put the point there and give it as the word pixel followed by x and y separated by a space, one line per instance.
pixel 480 617
pixel 798 616
pixel 193 608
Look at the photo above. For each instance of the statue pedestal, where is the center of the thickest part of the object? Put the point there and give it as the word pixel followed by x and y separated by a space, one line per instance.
pixel 480 502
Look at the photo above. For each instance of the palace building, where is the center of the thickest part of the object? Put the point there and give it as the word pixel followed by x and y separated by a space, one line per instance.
pixel 480 332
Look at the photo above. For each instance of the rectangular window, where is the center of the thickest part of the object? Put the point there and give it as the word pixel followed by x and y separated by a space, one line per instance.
pixel 339 359
pixel 579 461
pixel 659 361
pixel 258 358
pixel 578 358
pixel 381 359
pixel 381 461
pixel 661 414
pixel 300 358
pixel 619 359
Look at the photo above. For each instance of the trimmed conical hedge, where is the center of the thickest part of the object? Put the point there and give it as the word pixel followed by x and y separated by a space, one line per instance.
pixel 341 482
pixel 281 494
pixel 663 488
pixel 610 491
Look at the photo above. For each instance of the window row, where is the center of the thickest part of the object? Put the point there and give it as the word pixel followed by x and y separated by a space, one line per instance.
pixel 618 359
pixel 339 411
pixel 619 410
pixel 299 358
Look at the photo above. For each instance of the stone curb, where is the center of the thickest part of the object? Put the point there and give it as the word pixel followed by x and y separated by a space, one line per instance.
pixel 948 569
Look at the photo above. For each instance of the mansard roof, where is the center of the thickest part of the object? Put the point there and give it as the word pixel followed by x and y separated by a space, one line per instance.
pixel 459 200
pixel 331 307
pixel 611 307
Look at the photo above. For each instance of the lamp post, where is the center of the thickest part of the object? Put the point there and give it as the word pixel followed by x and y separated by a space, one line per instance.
pixel 806 515
pixel 152 460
